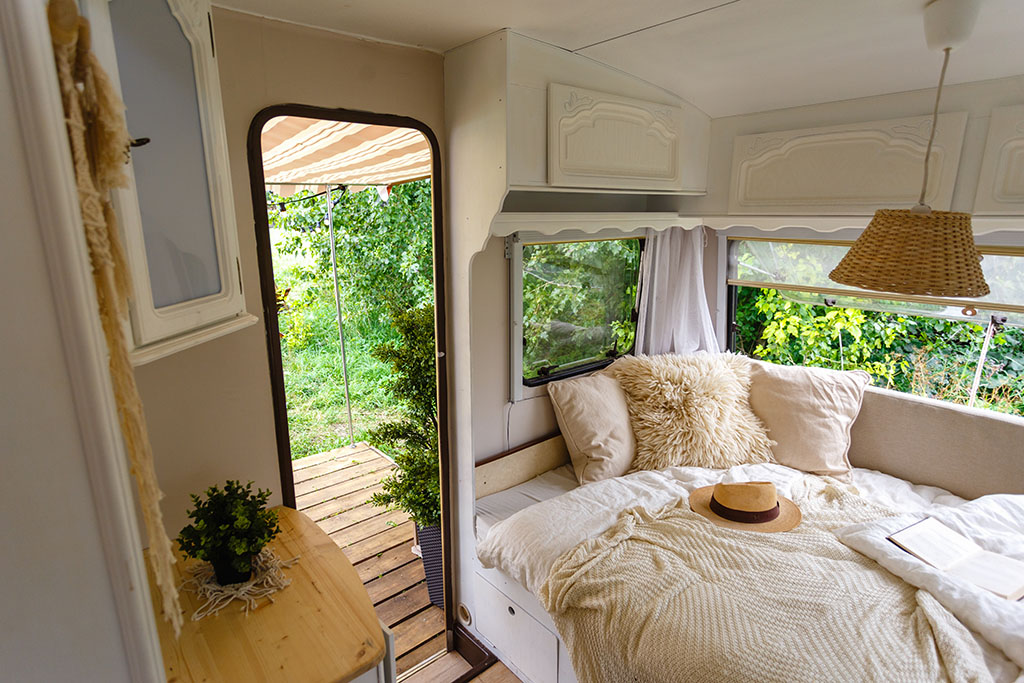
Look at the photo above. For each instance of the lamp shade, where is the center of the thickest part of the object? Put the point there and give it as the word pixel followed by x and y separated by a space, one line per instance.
pixel 906 252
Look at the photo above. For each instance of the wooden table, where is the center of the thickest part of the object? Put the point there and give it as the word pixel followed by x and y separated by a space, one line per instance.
pixel 320 628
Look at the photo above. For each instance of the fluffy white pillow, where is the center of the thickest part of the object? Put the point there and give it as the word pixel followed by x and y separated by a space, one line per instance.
pixel 808 412
pixel 592 414
pixel 691 410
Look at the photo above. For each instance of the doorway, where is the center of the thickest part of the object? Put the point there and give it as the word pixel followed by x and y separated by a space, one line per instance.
pixel 351 253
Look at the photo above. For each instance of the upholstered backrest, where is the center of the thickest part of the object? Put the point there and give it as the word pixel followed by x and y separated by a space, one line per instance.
pixel 968 451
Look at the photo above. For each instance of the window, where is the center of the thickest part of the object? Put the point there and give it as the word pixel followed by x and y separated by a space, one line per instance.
pixel 786 310
pixel 575 302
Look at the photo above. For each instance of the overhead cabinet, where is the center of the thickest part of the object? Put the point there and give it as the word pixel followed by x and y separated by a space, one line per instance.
pixel 529 117
pixel 846 170
pixel 178 216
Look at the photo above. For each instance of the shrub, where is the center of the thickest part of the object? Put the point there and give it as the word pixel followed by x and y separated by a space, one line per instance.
pixel 415 485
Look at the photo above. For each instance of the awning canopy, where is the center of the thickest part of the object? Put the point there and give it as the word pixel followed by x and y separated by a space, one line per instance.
pixel 302 151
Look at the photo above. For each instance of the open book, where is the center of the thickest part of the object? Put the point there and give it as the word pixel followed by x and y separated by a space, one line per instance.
pixel 936 544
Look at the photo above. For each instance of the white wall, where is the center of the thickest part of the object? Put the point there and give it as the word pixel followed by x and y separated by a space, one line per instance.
pixel 58 614
pixel 209 408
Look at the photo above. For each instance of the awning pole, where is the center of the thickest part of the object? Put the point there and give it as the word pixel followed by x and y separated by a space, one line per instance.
pixel 337 306
pixel 993 324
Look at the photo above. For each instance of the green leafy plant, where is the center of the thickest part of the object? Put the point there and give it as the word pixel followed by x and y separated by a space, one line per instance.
pixel 415 485
pixel 918 354
pixel 384 260
pixel 230 526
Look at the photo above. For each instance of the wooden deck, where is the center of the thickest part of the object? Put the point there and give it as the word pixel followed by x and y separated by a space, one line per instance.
pixel 334 489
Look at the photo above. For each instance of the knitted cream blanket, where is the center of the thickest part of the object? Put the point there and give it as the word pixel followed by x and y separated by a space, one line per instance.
pixel 668 596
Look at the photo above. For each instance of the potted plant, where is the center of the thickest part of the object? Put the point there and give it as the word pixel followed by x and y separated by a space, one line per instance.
pixel 415 484
pixel 228 529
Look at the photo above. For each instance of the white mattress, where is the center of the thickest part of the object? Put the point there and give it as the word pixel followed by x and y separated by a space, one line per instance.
pixel 499 506
pixel 876 486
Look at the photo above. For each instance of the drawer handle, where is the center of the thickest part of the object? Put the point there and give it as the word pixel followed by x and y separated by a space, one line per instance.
pixel 511 611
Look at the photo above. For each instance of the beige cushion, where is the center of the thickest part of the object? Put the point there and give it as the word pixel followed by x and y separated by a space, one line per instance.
pixel 691 410
pixel 808 413
pixel 591 412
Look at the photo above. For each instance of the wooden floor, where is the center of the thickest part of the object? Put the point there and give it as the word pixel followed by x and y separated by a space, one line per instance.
pixel 449 667
pixel 334 489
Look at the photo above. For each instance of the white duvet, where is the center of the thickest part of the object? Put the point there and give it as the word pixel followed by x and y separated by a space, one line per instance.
pixel 526 545
pixel 995 523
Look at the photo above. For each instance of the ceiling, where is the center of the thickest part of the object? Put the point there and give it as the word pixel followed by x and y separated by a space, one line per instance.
pixel 724 56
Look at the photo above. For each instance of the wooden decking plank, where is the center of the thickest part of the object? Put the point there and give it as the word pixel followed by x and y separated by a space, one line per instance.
pixel 353 516
pixel 421 653
pixel 340 480
pixel 394 582
pixel 326 508
pixel 314 477
pixel 342 452
pixel 387 561
pixel 497 673
pixel 344 501
pixel 402 606
pixel 378 543
pixel 418 629
pixel 357 532
pixel 446 668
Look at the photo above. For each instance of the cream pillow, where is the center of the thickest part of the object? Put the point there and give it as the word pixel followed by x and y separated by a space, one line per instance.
pixel 691 410
pixel 591 412
pixel 808 412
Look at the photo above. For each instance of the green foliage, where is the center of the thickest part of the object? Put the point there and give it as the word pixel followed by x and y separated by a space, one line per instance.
pixel 415 486
pixel 918 354
pixel 384 258
pixel 578 300
pixel 230 524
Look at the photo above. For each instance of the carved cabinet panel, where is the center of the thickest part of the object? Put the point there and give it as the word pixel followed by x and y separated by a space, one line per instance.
pixel 1001 186
pixel 849 169
pixel 599 140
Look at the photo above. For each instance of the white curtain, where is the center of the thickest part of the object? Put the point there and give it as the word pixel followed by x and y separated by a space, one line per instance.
pixel 674 315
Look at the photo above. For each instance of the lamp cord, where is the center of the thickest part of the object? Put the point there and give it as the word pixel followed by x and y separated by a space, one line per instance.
pixel 935 121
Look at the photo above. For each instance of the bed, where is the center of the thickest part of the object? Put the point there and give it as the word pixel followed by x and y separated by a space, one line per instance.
pixel 531 513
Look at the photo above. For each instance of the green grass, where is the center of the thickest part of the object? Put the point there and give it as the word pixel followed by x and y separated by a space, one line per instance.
pixel 315 390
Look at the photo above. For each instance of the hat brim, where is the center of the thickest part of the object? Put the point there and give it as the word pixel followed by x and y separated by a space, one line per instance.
pixel 789 514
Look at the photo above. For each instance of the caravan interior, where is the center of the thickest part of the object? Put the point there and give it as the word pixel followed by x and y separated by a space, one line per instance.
pixel 619 191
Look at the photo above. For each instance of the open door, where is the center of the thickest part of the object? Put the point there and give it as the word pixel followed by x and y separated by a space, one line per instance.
pixel 350 244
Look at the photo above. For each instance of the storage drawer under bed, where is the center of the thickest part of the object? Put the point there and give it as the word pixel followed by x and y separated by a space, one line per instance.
pixel 525 642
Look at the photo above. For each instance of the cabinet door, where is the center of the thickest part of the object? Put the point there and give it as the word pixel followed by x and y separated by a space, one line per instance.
pixel 178 217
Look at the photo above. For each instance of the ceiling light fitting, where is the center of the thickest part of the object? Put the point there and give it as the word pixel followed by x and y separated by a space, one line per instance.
pixel 918 250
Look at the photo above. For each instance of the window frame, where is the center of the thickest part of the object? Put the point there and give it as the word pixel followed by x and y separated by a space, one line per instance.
pixel 514 244
pixel 984 250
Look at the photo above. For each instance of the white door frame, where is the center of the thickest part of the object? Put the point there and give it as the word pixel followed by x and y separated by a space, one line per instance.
pixel 29 59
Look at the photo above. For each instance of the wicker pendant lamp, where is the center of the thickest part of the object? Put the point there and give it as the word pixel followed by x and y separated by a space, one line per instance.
pixel 921 251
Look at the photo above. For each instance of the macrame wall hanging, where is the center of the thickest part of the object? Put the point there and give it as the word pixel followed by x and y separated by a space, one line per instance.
pixel 99 141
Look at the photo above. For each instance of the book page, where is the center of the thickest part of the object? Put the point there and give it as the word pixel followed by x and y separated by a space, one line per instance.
pixel 935 543
pixel 1002 575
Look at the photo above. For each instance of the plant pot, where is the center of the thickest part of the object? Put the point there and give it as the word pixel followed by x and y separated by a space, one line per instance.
pixel 227 574
pixel 429 538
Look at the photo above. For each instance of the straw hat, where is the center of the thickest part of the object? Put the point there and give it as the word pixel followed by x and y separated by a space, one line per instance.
pixel 748 505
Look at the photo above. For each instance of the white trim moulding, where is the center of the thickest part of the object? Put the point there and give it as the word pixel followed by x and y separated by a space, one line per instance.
pixel 505 224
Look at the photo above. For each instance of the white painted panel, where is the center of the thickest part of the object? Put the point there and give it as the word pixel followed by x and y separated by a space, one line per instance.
pixel 848 169
pixel 598 139
pixel 1001 186
pixel 528 138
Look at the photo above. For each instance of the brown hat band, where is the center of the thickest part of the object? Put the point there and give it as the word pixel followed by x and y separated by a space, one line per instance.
pixel 743 516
